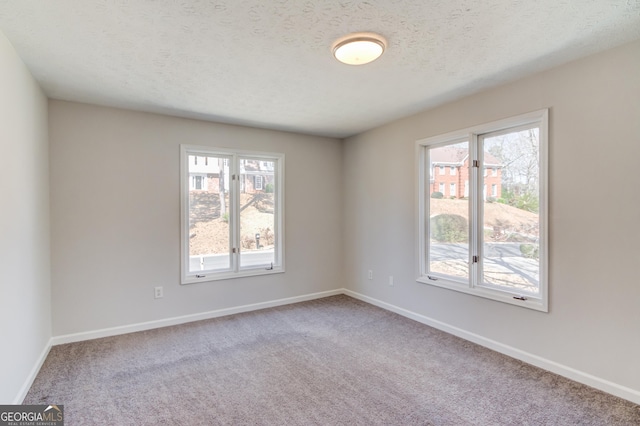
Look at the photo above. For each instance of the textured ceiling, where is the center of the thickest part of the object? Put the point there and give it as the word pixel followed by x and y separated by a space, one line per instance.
pixel 269 63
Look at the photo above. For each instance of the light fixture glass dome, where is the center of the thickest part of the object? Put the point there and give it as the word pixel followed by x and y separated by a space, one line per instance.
pixel 359 48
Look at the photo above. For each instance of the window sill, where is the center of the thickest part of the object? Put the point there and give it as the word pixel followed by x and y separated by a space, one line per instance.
pixel 218 276
pixel 499 296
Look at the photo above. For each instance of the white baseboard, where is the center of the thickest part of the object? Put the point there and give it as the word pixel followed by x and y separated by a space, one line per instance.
pixel 32 374
pixel 132 328
pixel 554 367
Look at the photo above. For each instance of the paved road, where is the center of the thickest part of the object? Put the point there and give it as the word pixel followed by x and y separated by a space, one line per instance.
pixel 222 261
pixel 498 257
pixel 447 251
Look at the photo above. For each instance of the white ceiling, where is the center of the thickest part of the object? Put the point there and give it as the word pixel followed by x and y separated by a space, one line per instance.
pixel 268 63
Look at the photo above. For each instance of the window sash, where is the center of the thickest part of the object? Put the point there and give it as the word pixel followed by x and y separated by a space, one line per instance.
pixel 474 285
pixel 237 266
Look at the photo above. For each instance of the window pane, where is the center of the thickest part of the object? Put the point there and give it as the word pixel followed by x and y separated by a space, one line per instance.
pixel 209 235
pixel 448 218
pixel 257 213
pixel 510 211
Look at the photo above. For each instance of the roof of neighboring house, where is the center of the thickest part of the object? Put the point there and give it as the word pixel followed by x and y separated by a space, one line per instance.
pixel 449 155
pixel 257 165
pixel 457 155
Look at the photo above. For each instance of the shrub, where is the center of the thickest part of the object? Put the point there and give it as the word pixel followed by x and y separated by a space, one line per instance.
pixel 528 202
pixel 437 195
pixel 225 218
pixel 449 228
pixel 525 201
pixel 267 236
pixel 268 188
pixel 247 242
pixel 529 251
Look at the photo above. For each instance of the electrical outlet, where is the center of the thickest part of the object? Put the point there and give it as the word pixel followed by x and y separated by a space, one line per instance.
pixel 391 280
pixel 159 293
pixel 370 275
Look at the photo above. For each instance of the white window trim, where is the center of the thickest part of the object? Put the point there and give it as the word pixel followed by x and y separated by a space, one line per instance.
pixel 541 303
pixel 236 271
pixel 192 183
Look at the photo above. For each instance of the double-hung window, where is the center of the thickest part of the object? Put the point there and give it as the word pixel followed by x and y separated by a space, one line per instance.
pixel 233 226
pixel 496 246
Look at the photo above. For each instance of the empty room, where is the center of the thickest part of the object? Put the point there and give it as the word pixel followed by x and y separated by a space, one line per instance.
pixel 320 212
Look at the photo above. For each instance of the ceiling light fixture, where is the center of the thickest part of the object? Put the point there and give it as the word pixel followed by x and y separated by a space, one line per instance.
pixel 359 48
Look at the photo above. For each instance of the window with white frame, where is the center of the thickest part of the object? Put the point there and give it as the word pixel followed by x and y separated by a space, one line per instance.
pixel 441 170
pixel 258 184
pixel 197 182
pixel 452 170
pixel 452 190
pixel 493 250
pixel 227 232
pixel 441 188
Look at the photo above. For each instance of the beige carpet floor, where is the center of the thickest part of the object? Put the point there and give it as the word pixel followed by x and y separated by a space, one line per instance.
pixel 333 361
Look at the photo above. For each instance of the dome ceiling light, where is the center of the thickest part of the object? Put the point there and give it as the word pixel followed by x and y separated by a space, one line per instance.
pixel 359 48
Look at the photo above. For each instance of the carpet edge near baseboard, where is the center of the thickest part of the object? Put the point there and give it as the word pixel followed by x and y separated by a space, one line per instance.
pixel 554 367
pixel 22 393
pixel 167 322
pixel 562 370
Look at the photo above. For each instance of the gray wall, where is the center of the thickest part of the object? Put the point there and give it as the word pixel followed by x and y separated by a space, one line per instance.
pixel 116 225
pixel 25 290
pixel 350 207
pixel 594 321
